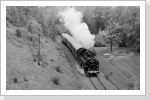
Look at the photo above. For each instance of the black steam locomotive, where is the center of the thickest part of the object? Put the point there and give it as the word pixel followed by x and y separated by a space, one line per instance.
pixel 85 57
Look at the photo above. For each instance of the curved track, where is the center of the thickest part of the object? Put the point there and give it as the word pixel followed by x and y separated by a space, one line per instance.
pixel 98 82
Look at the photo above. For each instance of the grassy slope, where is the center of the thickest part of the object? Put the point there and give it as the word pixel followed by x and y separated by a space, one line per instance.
pixel 121 67
pixel 23 72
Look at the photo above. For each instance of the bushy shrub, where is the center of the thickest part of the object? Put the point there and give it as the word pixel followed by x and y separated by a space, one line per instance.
pixel 100 39
pixel 9 25
pixel 18 33
pixel 58 69
pixel 55 80
pixel 12 15
pixel 34 27
pixel 23 33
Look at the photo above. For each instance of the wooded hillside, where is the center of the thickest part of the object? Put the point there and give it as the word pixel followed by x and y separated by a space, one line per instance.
pixel 111 25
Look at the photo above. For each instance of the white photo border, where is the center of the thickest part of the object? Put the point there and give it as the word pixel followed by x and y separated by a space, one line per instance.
pixel 72 3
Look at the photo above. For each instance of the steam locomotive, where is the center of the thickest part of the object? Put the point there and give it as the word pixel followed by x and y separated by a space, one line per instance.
pixel 85 58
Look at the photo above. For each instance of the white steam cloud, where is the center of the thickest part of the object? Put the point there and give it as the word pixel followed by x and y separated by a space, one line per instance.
pixel 79 30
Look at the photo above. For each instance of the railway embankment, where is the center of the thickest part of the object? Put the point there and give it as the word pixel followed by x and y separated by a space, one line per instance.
pixel 23 70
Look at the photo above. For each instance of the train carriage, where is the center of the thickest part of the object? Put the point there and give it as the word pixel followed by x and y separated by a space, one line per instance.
pixel 72 44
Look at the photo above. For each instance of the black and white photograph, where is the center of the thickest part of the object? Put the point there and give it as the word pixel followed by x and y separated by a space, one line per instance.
pixel 73 47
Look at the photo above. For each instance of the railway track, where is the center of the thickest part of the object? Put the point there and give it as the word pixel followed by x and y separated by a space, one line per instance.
pixel 98 82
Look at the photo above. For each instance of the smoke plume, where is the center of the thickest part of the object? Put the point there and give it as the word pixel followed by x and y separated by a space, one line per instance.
pixel 79 30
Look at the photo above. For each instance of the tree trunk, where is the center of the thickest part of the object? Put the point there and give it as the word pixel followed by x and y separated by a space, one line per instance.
pixel 111 45
pixel 39 59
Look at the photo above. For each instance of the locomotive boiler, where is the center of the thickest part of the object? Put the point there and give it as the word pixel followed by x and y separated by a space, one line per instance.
pixel 85 57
